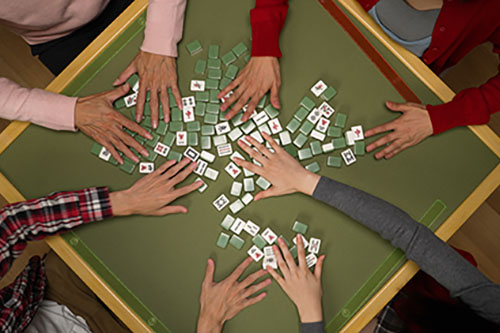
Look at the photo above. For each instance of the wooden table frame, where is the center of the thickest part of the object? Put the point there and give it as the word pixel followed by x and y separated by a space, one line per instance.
pixel 384 295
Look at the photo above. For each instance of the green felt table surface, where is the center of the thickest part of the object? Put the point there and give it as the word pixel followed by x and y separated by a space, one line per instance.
pixel 156 264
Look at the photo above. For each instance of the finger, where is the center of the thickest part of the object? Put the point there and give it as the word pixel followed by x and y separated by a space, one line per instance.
pixel 141 99
pixel 400 107
pixel 253 154
pixel 187 189
pixel 225 91
pixel 177 95
pixel 176 168
pixel 240 269
pixel 172 210
pixel 319 267
pixel 238 106
pixel 252 105
pixel 253 300
pixel 123 148
pixel 183 174
pixel 276 276
pixel 255 288
pixel 271 141
pixel 286 253
pixel 381 142
pixel 281 263
pixel 380 129
pixel 154 105
pixel 109 147
pixel 209 272
pixel 252 278
pixel 390 148
pixel 129 141
pixel 124 121
pixel 275 98
pixel 249 166
pixel 162 168
pixel 165 104
pixel 273 191
pixel 397 151
pixel 118 92
pixel 301 252
pixel 125 74
pixel 262 149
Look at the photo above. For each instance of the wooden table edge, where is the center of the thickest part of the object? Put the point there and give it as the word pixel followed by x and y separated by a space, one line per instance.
pixel 383 296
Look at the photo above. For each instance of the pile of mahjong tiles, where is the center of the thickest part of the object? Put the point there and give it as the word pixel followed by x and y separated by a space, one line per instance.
pixel 201 133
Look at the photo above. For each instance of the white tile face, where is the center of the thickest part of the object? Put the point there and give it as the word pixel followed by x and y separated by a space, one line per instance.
pixel 203 187
pixel 162 149
pixel 248 173
pixel 327 147
pixel 238 226
pixel 314 115
pixel 269 236
pixel 146 167
pixel 130 100
pixel 358 132
pixel 349 138
pixel 197 85
pixel 181 138
pixel 235 134
pixel 319 88
pixel 322 125
pixel 236 206
pixel 209 157
pixel 247 198
pixel 318 135
pixel 219 139
pixel 348 157
pixel 248 184
pixel 192 154
pixel 188 114
pixel 224 150
pixel 255 253
pixel 326 110
pixel 275 125
pixel 311 260
pixel 188 102
pixel 304 240
pixel 104 154
pixel 201 166
pixel 251 228
pixel 211 173
pixel 236 154
pixel 264 128
pixel 222 128
pixel 232 169
pixel 269 262
pixel 221 202
pixel 285 138
pixel 268 251
pixel 314 245
pixel 260 118
pixel 236 189
pixel 257 136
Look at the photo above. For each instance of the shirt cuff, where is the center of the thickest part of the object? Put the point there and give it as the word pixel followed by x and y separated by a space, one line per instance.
pixel 95 204
pixel 316 327
pixel 51 110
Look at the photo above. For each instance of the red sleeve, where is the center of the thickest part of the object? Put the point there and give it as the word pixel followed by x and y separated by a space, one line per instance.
pixel 470 106
pixel 367 4
pixel 267 20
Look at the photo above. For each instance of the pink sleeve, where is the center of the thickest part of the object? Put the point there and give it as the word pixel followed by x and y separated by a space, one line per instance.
pixel 164 23
pixel 36 106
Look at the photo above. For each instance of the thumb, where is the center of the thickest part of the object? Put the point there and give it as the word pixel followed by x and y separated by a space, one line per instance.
pixel 275 98
pixel 125 74
pixel 271 192
pixel 209 272
pixel 118 92
pixel 398 107
pixel 172 210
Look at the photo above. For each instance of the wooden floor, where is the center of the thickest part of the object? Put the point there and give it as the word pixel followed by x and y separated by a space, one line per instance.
pixel 480 235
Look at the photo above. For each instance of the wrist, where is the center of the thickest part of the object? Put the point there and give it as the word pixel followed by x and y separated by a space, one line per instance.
pixel 308 182
pixel 208 324
pixel 119 204
pixel 311 314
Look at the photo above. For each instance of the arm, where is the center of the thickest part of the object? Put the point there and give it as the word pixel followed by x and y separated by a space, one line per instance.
pixel 38 218
pixel 422 246
pixel 262 73
pixel 36 106
pixel 156 61
pixel 59 212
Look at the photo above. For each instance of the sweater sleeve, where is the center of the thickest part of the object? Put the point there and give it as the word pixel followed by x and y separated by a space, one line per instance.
pixel 36 106
pixel 164 24
pixel 267 20
pixel 35 219
pixel 419 243
pixel 317 327
pixel 471 106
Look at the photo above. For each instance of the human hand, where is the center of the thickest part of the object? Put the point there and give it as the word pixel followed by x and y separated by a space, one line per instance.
pixel 284 172
pixel 223 300
pixel 298 282
pixel 152 194
pixel 260 75
pixel 95 116
pixel 410 128
pixel 156 73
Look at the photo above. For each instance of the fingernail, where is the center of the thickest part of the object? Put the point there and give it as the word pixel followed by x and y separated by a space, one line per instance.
pixel 115 82
pixel 155 124
pixel 136 159
pixel 145 153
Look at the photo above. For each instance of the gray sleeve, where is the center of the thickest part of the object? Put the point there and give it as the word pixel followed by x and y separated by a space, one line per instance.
pixel 317 327
pixel 419 243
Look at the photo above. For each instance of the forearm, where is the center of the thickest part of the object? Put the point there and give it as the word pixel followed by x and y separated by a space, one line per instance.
pixel 37 106
pixel 267 20
pixel 38 218
pixel 164 24
pixel 433 256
